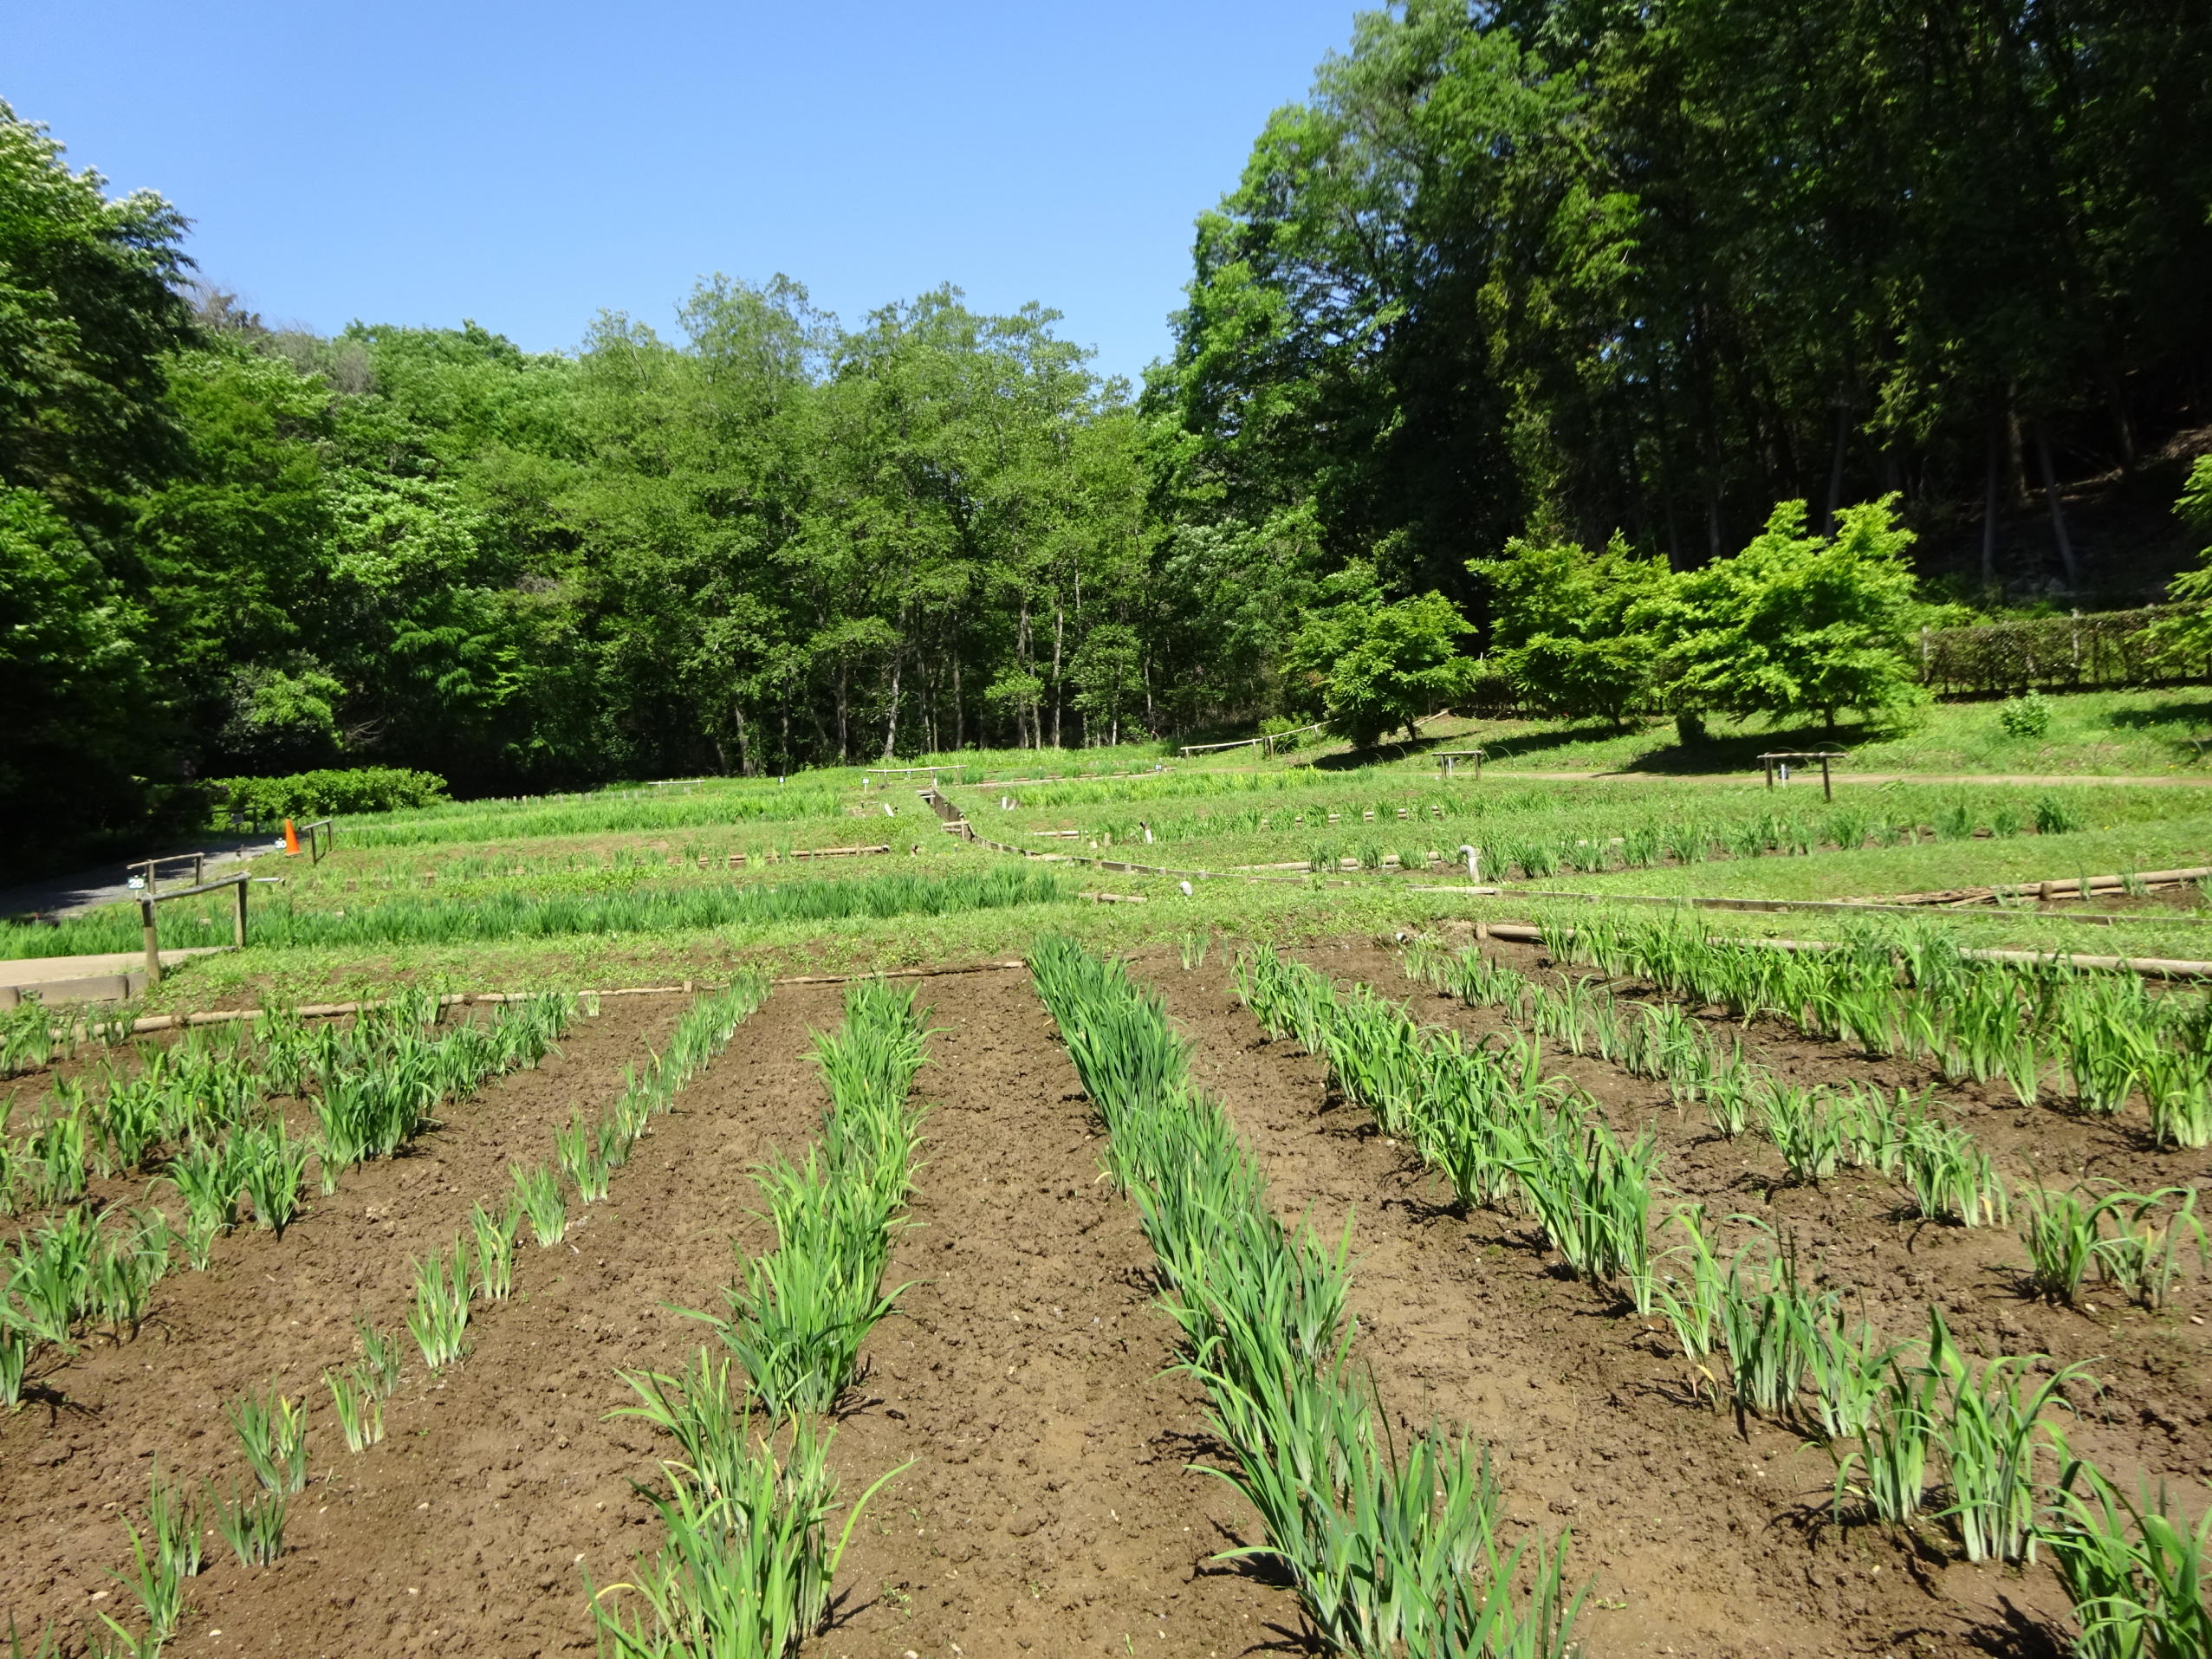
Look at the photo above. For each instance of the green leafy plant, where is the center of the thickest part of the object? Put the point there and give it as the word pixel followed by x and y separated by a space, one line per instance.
pixel 2027 715
pixel 539 1196
pixel 274 1434
pixel 440 1317
pixel 2135 1571
pixel 253 1525
pixel 493 1237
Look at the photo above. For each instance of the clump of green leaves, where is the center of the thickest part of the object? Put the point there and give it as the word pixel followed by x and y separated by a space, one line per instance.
pixel 2027 715
pixel 273 1432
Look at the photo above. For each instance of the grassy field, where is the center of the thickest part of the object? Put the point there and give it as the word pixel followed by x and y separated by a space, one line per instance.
pixel 2093 734
pixel 1782 1210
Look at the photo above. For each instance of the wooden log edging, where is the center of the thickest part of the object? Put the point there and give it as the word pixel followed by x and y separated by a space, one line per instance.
pixel 465 999
pixel 2066 887
pixel 1780 906
pixel 2148 966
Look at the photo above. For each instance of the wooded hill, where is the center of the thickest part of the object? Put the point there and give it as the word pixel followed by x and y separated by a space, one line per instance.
pixel 1537 271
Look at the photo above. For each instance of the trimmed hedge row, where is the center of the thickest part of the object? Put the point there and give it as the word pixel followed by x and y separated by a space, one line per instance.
pixel 329 792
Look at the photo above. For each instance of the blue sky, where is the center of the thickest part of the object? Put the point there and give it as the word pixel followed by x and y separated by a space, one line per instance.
pixel 530 165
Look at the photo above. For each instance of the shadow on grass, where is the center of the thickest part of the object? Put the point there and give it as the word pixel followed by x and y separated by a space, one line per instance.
pixel 2184 729
pixel 1729 753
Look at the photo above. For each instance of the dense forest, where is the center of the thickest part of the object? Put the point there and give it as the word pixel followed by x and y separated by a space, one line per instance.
pixel 1515 276
pixel 1584 266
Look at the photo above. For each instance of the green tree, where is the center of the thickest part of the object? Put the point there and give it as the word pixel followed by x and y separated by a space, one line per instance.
pixel 2188 635
pixel 72 679
pixel 89 309
pixel 1368 664
pixel 1561 630
pixel 1795 624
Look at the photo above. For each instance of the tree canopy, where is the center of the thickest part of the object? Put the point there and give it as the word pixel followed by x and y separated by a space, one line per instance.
pixel 1548 268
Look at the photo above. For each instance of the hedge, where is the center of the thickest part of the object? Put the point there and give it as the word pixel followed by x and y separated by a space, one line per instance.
pixel 328 792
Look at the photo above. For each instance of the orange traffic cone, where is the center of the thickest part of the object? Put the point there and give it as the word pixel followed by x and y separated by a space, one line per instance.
pixel 291 839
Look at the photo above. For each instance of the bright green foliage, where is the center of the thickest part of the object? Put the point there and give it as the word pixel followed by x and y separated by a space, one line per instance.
pixel 252 1525
pixel 320 794
pixel 440 1317
pixel 358 1408
pixel 798 1317
pixel 749 1559
pixel 2026 715
pixel 2136 1571
pixel 1389 1552
pixel 2188 635
pixel 274 1434
pixel 1368 666
pixel 1990 1426
pixel 509 914
pixel 1795 624
pixel 1660 267
pixel 89 308
pixel 1560 626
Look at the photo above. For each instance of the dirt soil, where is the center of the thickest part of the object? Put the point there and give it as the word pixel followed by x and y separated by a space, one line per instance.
pixel 1048 1508
pixel 1048 1505
pixel 1703 1538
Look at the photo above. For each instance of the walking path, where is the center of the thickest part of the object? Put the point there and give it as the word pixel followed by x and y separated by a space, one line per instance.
pixel 60 896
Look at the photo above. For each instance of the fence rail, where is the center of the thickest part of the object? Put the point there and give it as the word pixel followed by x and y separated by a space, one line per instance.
pixel 2076 653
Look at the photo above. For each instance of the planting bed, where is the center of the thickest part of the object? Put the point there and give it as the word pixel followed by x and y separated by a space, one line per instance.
pixel 1047 1508
pixel 1706 1537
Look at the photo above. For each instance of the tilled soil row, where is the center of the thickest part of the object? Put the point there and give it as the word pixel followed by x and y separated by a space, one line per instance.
pixel 1048 1506
pixel 1703 1539
pixel 267 1310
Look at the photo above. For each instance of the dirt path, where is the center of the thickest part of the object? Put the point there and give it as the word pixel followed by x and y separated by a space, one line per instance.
pixel 1700 1541
pixel 1050 1512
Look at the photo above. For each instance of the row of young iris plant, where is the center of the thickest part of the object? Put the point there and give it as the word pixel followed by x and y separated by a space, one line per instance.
pixel 420 920
pixel 2047 1029
pixel 202 1116
pixel 1392 1551
pixel 749 1559
pixel 1893 1413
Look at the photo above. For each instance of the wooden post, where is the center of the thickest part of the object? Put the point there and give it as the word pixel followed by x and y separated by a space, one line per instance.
pixel 1827 789
pixel 152 942
pixel 238 922
pixel 200 868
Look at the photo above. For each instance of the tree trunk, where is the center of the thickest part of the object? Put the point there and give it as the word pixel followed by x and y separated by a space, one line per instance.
pixel 844 725
pixel 1989 514
pixel 1836 465
pixel 2058 512
pixel 891 726
pixel 1022 708
pixel 1059 639
pixel 744 751
pixel 960 709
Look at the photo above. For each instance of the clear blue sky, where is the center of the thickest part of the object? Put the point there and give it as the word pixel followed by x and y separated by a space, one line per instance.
pixel 529 164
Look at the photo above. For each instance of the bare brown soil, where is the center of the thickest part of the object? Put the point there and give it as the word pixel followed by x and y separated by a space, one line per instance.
pixel 1704 1537
pixel 1048 1505
pixel 1046 1509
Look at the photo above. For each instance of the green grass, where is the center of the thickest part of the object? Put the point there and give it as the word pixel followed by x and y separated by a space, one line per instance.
pixel 506 914
pixel 606 890
pixel 2110 733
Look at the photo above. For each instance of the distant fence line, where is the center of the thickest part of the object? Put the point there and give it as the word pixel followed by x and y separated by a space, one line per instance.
pixel 2075 652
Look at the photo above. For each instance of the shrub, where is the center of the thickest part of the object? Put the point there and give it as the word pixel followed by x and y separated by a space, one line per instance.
pixel 1288 734
pixel 2026 715
pixel 317 794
